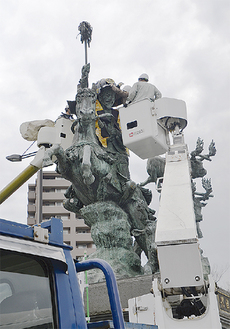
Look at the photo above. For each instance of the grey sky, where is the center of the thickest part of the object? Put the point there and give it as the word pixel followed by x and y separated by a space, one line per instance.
pixel 184 47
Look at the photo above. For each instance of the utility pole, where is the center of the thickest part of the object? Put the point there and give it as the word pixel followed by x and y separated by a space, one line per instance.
pixel 86 36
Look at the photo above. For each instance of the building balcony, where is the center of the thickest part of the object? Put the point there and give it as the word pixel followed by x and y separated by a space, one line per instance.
pixel 31 195
pixel 30 221
pixel 31 208
pixel 80 223
pixel 54 210
pixel 57 183
pixel 83 237
pixel 53 196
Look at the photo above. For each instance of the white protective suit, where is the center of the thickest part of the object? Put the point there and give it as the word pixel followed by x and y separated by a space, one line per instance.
pixel 141 90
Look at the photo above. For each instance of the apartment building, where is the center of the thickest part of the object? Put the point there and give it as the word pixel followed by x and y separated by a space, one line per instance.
pixel 45 201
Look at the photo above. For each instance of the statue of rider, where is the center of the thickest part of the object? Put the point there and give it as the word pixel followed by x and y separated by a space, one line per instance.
pixel 108 124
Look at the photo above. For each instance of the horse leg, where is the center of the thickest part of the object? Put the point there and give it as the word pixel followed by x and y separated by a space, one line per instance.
pixel 57 151
pixel 88 177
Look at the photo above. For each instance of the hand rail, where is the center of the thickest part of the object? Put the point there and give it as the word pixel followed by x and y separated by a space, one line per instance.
pixel 111 283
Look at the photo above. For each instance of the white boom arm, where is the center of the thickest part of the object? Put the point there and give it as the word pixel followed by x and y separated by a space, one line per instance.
pixel 145 127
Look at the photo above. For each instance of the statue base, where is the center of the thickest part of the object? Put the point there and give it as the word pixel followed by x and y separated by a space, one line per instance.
pixel 110 231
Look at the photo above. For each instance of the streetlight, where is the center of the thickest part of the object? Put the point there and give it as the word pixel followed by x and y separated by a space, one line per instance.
pixel 18 157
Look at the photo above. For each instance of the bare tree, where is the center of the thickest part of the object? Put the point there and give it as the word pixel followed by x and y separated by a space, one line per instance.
pixel 218 272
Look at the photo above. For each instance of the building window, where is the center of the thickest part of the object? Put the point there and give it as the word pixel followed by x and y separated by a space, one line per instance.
pixel 81 246
pixel 48 177
pixel 77 217
pixel 58 177
pixel 60 190
pixel 52 203
pixel 48 189
pixel 66 230
pixel 82 231
pixel 63 217
pixel 46 217
pixel 48 203
pixel 67 242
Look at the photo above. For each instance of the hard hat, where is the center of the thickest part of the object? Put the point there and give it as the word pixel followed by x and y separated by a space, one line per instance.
pixel 144 76
pixel 126 88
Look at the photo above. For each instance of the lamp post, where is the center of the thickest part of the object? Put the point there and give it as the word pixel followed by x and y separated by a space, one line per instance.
pixel 39 195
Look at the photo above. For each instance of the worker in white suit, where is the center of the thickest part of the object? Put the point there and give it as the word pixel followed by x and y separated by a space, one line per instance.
pixel 143 89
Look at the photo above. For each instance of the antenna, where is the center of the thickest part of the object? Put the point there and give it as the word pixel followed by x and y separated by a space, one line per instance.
pixel 86 35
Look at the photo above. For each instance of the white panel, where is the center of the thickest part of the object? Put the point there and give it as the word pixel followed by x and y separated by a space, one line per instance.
pixel 142 309
pixel 170 107
pixel 64 135
pixel 146 309
pixel 176 218
pixel 132 310
pixel 140 131
pixel 180 265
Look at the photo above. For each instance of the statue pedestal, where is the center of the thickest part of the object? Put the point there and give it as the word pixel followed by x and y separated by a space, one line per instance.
pixel 110 232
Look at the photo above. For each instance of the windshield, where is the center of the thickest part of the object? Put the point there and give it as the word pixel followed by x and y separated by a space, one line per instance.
pixel 25 296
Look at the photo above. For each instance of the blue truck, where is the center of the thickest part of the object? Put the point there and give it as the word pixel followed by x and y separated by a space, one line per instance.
pixel 39 287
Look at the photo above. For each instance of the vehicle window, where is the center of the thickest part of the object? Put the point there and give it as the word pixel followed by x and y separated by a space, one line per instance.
pixel 25 297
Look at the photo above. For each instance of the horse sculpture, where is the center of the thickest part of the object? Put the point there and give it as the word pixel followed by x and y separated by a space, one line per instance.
pixel 84 163
pixel 95 175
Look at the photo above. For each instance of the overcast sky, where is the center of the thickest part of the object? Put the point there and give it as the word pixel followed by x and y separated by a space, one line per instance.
pixel 183 45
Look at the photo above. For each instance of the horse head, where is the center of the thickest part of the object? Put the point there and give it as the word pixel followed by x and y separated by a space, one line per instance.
pixel 85 104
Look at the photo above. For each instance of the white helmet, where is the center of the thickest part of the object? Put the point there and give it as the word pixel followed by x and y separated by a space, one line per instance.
pixel 144 76
pixel 126 88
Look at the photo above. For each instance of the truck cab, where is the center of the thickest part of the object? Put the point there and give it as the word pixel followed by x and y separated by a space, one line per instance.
pixel 39 286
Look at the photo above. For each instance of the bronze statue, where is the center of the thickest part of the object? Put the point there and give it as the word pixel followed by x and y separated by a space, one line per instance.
pixel 101 186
